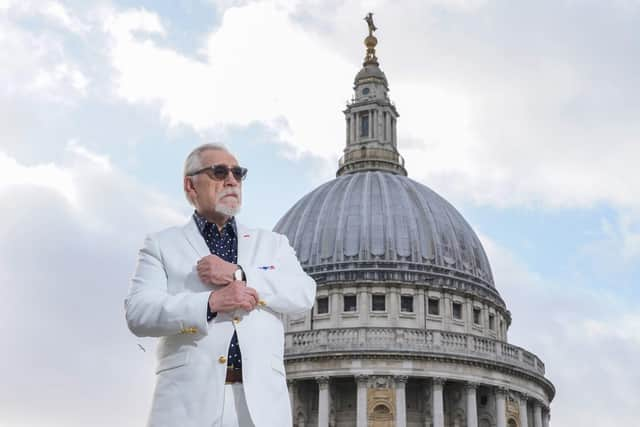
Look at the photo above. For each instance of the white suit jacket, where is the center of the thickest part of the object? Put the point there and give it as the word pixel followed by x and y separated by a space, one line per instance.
pixel 167 299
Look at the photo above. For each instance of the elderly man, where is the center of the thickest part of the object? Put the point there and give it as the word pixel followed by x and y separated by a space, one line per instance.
pixel 214 292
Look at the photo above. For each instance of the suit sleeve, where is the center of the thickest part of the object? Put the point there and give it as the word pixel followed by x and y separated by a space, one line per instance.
pixel 286 288
pixel 151 310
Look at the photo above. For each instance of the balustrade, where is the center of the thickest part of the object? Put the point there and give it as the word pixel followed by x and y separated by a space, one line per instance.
pixel 399 340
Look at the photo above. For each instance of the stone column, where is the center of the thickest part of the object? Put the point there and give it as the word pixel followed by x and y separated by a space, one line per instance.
pixel 394 136
pixel 501 407
pixel 323 401
pixel 335 305
pixel 363 303
pixel 361 403
pixel 353 127
pixel 387 133
pixel 291 386
pixel 546 417
pixel 472 407
pixel 401 402
pixel 438 402
pixel 537 414
pixel 524 421
pixel 393 309
pixel 421 308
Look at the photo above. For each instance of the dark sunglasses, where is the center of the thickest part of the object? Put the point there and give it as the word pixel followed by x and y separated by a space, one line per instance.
pixel 221 172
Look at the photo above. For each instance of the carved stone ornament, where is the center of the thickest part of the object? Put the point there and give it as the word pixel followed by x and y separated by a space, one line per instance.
pixel 323 382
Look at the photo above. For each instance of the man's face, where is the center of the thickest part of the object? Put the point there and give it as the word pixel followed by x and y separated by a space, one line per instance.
pixel 214 197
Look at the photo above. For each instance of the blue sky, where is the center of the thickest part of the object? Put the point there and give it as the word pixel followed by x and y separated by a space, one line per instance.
pixel 522 114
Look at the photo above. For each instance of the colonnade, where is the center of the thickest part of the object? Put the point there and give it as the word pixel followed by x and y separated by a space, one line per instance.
pixel 541 414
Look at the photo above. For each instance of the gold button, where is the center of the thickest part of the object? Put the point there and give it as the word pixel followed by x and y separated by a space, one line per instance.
pixel 222 359
pixel 193 330
pixel 262 303
pixel 236 320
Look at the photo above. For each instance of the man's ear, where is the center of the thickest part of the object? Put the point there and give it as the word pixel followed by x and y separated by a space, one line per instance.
pixel 189 188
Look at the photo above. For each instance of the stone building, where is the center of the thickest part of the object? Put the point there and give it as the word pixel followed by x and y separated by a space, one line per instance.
pixel 408 328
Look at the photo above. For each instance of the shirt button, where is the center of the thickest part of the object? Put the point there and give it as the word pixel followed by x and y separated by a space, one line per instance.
pixel 222 359
pixel 236 320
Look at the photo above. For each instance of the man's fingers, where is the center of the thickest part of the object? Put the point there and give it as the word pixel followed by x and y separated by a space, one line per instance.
pixel 253 295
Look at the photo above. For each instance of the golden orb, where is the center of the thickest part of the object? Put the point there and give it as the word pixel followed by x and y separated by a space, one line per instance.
pixel 370 41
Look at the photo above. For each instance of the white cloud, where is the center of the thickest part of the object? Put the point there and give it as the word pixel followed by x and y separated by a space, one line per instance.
pixel 68 248
pixel 618 244
pixel 38 64
pixel 259 67
pixel 48 176
pixel 475 122
pixel 587 339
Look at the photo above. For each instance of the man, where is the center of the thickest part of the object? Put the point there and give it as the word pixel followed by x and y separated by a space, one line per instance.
pixel 214 292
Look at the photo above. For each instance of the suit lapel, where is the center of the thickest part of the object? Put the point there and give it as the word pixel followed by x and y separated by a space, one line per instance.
pixel 196 240
pixel 246 244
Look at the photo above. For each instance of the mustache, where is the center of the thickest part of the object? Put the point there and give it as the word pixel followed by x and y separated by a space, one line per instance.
pixel 228 192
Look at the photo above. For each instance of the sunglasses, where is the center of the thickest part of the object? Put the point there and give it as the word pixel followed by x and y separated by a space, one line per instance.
pixel 221 172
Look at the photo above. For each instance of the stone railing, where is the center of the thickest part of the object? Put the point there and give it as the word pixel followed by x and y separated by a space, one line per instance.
pixel 402 340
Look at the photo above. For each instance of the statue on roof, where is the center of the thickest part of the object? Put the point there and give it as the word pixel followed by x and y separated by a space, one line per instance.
pixel 369 19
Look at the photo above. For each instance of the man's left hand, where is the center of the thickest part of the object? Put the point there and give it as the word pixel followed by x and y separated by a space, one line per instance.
pixel 213 270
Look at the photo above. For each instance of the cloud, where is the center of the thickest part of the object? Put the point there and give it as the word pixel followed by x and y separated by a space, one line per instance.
pixel 618 243
pixel 259 67
pixel 68 248
pixel 38 64
pixel 482 116
pixel 588 340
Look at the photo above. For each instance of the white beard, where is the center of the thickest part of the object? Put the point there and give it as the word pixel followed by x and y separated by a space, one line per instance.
pixel 226 209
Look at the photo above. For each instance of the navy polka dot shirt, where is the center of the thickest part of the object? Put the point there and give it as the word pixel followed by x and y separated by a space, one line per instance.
pixel 225 245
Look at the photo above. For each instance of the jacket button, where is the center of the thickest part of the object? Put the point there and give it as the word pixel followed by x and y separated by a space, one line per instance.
pixel 262 303
pixel 222 359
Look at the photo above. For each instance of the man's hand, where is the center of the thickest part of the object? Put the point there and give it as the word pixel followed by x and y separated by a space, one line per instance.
pixel 232 297
pixel 213 270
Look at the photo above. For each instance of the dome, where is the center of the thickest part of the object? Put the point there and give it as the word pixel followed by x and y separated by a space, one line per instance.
pixel 370 71
pixel 376 222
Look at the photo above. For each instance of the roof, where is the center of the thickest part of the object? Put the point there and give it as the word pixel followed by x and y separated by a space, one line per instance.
pixel 378 216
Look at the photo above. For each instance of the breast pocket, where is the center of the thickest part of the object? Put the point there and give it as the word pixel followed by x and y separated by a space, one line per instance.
pixel 173 361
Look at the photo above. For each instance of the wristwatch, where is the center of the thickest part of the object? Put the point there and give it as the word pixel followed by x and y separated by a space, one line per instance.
pixel 238 274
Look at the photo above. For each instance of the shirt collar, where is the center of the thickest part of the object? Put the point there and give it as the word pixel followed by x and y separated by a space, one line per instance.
pixel 203 224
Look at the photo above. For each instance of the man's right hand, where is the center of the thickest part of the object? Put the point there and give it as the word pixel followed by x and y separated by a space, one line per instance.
pixel 236 295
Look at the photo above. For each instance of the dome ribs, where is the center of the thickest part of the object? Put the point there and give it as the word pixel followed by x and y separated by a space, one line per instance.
pixel 364 224
pixel 428 226
pixel 401 219
pixel 349 236
pixel 377 231
pixel 376 225
pixel 389 216
pixel 345 205
pixel 304 246
pixel 321 226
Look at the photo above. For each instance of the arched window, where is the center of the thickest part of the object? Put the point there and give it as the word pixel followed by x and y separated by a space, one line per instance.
pixel 512 423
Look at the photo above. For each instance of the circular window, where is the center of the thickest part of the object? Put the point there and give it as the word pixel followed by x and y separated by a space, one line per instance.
pixel 365 91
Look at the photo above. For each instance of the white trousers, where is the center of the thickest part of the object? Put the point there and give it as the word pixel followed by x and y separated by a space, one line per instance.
pixel 235 412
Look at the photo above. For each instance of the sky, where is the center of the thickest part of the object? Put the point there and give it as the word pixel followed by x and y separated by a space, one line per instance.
pixel 523 114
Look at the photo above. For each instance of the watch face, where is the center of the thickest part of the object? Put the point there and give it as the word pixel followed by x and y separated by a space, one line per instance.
pixel 237 274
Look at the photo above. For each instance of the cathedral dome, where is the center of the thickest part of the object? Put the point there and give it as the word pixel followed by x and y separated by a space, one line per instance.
pixel 386 226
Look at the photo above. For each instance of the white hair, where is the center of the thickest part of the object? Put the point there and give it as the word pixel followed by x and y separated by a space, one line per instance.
pixel 193 162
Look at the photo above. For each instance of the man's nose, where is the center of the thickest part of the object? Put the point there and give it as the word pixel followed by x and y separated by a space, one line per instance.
pixel 231 181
